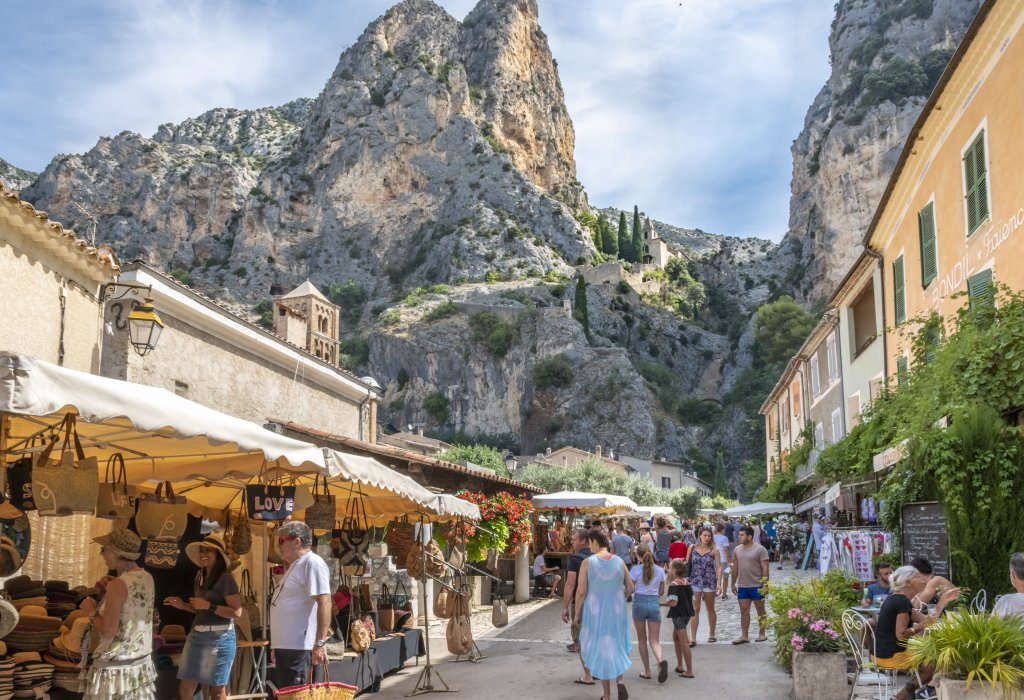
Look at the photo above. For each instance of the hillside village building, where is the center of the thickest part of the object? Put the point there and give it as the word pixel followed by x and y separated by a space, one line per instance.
pixel 306 318
pixel 569 457
pixel 944 233
pixel 210 355
pixel 656 250
pixel 668 475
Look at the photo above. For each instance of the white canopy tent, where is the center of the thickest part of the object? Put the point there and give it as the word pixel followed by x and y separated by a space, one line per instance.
pixel 582 501
pixel 759 509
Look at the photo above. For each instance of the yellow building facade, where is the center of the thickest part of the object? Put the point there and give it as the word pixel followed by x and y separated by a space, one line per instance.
pixel 950 218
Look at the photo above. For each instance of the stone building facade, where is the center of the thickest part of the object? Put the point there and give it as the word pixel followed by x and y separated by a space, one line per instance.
pixel 209 355
pixel 306 318
pixel 656 250
pixel 51 283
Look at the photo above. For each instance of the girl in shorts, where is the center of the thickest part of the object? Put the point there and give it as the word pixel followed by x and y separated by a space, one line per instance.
pixel 680 609
pixel 649 585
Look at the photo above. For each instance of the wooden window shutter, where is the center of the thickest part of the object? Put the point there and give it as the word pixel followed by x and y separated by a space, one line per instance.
pixel 899 291
pixel 901 371
pixel 926 229
pixel 976 184
pixel 932 337
pixel 979 290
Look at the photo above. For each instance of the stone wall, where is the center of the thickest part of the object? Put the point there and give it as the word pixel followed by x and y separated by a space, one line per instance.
pixel 215 373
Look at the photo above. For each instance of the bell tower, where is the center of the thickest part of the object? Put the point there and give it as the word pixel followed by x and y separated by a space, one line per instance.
pixel 306 318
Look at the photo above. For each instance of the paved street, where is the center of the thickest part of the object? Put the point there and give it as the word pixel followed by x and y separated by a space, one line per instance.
pixel 528 658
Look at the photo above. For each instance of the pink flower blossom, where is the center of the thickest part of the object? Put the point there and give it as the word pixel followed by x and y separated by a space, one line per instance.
pixel 798 642
pixel 794 613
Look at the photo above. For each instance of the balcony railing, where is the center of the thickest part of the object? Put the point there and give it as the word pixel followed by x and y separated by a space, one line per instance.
pixel 806 471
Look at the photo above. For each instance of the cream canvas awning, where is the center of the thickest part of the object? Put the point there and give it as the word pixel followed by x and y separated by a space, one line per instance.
pixel 759 509
pixel 583 501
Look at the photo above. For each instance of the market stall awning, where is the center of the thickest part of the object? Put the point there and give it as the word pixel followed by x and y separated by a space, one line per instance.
pixel 161 435
pixel 582 501
pixel 452 507
pixel 759 509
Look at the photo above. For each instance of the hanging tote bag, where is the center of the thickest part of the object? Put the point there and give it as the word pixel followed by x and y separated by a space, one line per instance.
pixel 269 502
pixel 241 536
pixel 386 609
pixel 113 501
pixel 19 479
pixel 441 602
pixel 354 537
pixel 70 485
pixel 414 561
pixel 161 515
pixel 320 515
pixel 162 553
pixel 499 610
pixel 358 637
pixel 456 559
pixel 435 559
pixel 249 601
pixel 459 633
pixel 327 690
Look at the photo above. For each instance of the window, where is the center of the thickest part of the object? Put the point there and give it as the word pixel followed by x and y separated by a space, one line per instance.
pixel 875 387
pixel 899 291
pixel 926 231
pixel 181 388
pixel 819 435
pixel 864 328
pixel 932 336
pixel 837 425
pixel 979 290
pixel 976 184
pixel 833 364
pixel 853 407
pixel 902 370
pixel 666 482
pixel 815 381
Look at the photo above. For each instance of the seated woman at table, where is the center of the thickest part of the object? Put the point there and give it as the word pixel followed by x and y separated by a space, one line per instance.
pixel 898 622
pixel 934 586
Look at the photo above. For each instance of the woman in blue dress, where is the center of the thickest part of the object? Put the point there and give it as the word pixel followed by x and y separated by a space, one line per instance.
pixel 601 593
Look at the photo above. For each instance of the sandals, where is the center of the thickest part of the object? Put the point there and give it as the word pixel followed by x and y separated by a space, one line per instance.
pixel 693 643
pixel 663 671
pixel 580 681
pixel 741 641
pixel 623 693
pixel 712 640
pixel 686 674
pixel 762 638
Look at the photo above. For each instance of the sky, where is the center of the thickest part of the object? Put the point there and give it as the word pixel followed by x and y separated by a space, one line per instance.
pixel 685 108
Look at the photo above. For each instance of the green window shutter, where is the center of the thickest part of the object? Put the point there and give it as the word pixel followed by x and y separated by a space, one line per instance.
pixel 976 184
pixel 901 371
pixel 899 291
pixel 926 229
pixel 979 290
pixel 932 337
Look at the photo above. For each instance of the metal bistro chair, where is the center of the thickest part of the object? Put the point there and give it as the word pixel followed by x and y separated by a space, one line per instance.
pixel 860 634
pixel 979 604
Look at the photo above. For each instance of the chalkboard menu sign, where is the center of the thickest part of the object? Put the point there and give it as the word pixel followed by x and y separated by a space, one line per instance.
pixel 925 535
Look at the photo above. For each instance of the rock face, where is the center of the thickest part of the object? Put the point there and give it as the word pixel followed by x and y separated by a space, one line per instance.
pixel 15 178
pixel 886 57
pixel 434 148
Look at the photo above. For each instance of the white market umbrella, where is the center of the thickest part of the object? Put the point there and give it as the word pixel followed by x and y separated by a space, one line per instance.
pixel 759 509
pixel 582 501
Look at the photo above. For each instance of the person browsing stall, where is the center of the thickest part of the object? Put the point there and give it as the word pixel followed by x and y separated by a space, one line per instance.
pixel 300 609
pixel 210 646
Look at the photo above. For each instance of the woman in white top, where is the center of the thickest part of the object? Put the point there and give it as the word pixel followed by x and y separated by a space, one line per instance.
pixel 649 582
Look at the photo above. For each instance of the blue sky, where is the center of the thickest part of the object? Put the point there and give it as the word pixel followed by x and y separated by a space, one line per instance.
pixel 686 108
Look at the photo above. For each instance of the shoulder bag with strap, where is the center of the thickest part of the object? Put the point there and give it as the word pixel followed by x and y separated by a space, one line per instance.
pixel 386 609
pixel 354 537
pixel 161 514
pixel 441 611
pixel 250 603
pixel 114 501
pixel 320 515
pixel 499 610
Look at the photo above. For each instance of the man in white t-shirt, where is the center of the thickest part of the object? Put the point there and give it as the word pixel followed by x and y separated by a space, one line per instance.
pixel 544 576
pixel 1013 605
pixel 300 608
pixel 722 543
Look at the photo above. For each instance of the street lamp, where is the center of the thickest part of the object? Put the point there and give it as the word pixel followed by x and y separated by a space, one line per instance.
pixel 144 327
pixel 510 462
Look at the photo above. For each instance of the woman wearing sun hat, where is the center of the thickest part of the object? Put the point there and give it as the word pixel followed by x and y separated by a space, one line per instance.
pixel 210 646
pixel 122 667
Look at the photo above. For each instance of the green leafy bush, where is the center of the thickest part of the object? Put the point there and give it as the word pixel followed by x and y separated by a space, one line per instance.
pixel 973 647
pixel 483 455
pixel 495 334
pixel 390 317
pixel 442 310
pixel 265 309
pixel 437 407
pixel 350 297
pixel 553 372
pixel 898 79
pixel 355 352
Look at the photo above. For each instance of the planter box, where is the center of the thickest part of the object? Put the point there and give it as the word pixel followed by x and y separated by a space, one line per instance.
pixel 817 676
pixel 957 690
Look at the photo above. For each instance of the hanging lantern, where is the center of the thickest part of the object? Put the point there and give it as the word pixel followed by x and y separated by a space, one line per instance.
pixel 144 327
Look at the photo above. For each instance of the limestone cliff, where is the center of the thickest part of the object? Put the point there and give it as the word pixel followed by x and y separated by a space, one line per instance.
pixel 15 178
pixel 886 55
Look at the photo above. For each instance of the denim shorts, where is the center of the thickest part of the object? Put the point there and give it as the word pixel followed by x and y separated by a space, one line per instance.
pixel 646 607
pixel 207 657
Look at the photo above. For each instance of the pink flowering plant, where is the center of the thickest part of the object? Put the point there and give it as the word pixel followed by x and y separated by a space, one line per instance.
pixel 812 635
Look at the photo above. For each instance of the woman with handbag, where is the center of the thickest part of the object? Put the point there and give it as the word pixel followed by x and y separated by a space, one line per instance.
pixel 122 667
pixel 210 646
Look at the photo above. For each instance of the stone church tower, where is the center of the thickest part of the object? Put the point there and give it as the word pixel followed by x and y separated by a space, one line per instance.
pixel 305 317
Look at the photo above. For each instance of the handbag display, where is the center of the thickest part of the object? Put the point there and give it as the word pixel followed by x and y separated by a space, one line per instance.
pixel 399 538
pixel 353 545
pixel 114 500
pixel 70 485
pixel 386 609
pixel 19 481
pixel 499 611
pixel 162 514
pixel 326 690
pixel 456 559
pixel 414 561
pixel 269 501
pixel 241 536
pixel 492 560
pixel 162 553
pixel 358 637
pixel 435 559
pixel 320 515
pixel 441 610
pixel 459 635
pixel 363 598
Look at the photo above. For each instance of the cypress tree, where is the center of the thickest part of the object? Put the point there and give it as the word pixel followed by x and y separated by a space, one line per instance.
pixel 625 247
pixel 638 238
pixel 609 244
pixel 579 311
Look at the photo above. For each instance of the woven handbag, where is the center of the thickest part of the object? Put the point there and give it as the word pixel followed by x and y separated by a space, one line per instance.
pixel 320 515
pixel 241 536
pixel 114 501
pixel 69 486
pixel 459 635
pixel 327 690
pixel 250 601
pixel 162 553
pixel 358 638
pixel 386 609
pixel 161 514
pixel 354 538
pixel 499 611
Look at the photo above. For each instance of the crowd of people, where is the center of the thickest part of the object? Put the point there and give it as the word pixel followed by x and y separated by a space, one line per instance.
pixel 665 571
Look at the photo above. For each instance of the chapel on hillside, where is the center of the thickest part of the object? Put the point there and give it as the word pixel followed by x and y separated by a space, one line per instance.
pixel 306 318
pixel 656 250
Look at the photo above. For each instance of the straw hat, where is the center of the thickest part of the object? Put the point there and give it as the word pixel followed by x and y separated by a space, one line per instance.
pixel 213 541
pixel 33 611
pixel 74 615
pixel 173 633
pixel 644 526
pixel 123 541
pixel 8 617
pixel 71 639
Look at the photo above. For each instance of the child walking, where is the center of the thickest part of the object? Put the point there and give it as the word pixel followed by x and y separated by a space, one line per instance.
pixel 680 610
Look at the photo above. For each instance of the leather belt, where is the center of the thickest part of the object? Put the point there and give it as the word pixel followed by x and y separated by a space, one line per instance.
pixel 212 628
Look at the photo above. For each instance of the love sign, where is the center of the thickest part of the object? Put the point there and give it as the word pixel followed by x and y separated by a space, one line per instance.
pixel 266 502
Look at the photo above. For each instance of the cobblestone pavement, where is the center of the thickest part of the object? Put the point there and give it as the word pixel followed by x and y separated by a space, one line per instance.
pixel 529 659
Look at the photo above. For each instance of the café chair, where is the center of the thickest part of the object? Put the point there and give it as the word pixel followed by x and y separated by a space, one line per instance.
pixel 979 604
pixel 860 635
